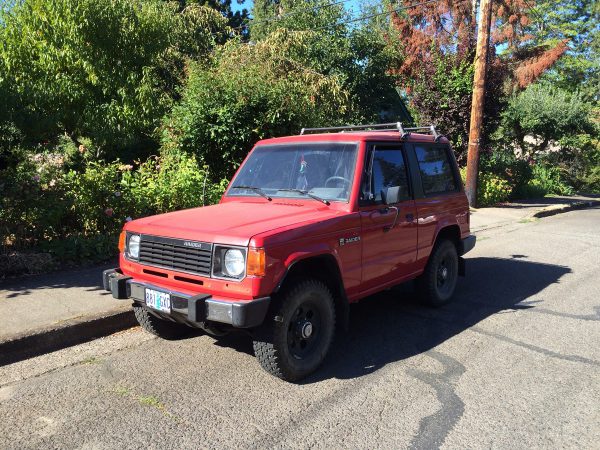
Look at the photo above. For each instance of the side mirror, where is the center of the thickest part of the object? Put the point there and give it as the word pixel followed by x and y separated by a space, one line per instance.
pixel 390 195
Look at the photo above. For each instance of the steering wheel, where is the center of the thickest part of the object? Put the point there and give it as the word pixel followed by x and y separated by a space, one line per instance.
pixel 345 180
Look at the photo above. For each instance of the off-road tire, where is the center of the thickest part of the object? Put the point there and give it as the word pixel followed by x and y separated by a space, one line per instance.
pixel 278 342
pixel 432 289
pixel 164 329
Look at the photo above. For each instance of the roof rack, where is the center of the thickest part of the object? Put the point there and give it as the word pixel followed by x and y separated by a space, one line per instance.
pixel 392 126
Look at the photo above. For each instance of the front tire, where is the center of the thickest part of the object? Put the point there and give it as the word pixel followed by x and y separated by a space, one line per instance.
pixel 164 329
pixel 437 283
pixel 298 333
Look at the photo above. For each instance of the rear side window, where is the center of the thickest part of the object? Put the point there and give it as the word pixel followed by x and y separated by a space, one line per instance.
pixel 437 172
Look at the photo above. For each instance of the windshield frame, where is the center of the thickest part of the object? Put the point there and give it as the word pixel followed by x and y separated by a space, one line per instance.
pixel 231 191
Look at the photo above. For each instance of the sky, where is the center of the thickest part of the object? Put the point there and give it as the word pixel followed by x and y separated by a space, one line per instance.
pixel 353 6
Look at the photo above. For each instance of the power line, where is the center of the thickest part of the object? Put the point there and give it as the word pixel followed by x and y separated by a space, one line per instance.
pixel 337 24
pixel 291 13
pixel 370 16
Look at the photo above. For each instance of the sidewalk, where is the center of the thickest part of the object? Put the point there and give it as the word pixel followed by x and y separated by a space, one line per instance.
pixel 509 213
pixel 47 312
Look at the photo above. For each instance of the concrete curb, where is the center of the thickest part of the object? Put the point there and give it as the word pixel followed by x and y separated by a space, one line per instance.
pixel 68 333
pixel 558 209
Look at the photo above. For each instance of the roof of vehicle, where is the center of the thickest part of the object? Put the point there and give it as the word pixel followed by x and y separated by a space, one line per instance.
pixel 354 136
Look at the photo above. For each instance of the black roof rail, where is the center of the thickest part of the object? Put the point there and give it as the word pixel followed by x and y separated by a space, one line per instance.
pixel 392 126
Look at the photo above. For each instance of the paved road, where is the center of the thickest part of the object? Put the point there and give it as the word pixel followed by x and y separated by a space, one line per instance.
pixel 514 362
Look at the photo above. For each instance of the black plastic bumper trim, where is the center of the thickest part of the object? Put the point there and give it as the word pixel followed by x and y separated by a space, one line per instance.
pixel 467 244
pixel 193 308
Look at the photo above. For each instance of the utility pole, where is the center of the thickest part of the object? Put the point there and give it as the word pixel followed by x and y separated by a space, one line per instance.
pixel 481 59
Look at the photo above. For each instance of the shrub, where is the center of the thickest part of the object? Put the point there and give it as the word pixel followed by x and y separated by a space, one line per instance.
pixel 106 69
pixel 247 93
pixel 76 215
pixel 491 188
pixel 550 180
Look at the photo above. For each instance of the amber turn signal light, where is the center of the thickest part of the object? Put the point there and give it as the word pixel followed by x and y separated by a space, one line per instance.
pixel 122 242
pixel 256 264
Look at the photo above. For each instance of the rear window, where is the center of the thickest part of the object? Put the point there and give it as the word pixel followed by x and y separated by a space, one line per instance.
pixel 437 171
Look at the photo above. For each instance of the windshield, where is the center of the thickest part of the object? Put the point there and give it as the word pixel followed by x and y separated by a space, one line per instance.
pixel 322 169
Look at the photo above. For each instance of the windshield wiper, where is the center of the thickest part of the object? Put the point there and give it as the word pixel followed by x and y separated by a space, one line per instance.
pixel 300 191
pixel 255 189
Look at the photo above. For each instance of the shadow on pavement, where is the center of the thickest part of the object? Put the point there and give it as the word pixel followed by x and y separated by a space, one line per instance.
pixel 393 326
pixel 88 277
pixel 546 201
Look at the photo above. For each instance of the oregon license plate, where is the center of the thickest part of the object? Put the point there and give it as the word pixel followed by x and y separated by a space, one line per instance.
pixel 160 301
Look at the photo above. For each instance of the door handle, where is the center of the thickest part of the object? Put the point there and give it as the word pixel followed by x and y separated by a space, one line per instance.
pixel 410 217
pixel 389 227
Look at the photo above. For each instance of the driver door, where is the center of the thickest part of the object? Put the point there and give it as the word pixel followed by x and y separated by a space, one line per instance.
pixel 389 231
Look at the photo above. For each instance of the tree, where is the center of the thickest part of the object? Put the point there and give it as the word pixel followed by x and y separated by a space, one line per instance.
pixel 234 19
pixel 357 53
pixel 247 92
pixel 578 23
pixel 103 69
pixel 543 114
pixel 436 48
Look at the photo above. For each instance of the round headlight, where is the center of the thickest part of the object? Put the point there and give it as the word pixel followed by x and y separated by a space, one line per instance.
pixel 133 247
pixel 234 263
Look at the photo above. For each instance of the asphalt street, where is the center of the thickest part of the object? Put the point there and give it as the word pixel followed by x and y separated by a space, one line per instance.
pixel 513 362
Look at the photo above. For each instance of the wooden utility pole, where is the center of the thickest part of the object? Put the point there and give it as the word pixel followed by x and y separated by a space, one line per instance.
pixel 481 59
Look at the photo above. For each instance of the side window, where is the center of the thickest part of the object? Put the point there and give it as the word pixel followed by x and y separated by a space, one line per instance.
pixel 388 170
pixel 437 174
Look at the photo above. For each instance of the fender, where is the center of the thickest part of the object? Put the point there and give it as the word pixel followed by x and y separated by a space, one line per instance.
pixel 445 222
pixel 313 251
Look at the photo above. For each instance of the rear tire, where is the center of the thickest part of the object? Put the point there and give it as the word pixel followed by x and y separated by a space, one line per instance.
pixel 437 283
pixel 164 329
pixel 297 334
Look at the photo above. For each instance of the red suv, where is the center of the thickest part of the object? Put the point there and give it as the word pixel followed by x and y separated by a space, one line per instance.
pixel 308 225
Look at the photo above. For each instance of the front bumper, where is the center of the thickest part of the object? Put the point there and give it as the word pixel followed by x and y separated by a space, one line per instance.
pixel 191 309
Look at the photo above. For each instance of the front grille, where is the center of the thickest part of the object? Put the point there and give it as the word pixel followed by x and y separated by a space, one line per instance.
pixel 176 254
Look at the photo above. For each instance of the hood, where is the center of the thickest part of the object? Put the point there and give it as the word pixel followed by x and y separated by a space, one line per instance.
pixel 232 223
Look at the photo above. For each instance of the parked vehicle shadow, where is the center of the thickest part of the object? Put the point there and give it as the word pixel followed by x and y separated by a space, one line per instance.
pixel 392 325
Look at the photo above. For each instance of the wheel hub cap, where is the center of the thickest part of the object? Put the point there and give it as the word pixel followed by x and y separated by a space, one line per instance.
pixel 444 273
pixel 307 330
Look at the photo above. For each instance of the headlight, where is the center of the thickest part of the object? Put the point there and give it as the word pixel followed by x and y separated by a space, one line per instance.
pixel 133 246
pixel 234 262
pixel 229 262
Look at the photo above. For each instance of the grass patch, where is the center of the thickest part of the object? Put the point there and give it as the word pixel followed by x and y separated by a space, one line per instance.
pixel 122 391
pixel 151 401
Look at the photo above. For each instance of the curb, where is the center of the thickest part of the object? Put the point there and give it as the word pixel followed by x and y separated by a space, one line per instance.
pixel 67 334
pixel 558 209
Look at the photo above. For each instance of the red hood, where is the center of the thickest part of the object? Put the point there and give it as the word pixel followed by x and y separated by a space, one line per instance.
pixel 232 223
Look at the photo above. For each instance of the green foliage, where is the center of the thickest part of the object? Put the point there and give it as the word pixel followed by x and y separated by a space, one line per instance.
pixel 76 215
pixel 546 180
pixel 544 114
pixel 491 188
pixel 247 93
pixel 104 69
pixel 442 96
pixel 579 21
pixel 360 56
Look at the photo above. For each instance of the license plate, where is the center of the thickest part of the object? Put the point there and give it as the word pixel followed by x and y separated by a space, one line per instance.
pixel 160 301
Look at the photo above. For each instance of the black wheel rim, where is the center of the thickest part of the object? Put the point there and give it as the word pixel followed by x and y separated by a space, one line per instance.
pixel 304 330
pixel 446 275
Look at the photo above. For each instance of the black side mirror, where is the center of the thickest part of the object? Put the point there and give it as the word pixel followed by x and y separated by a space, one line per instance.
pixel 390 195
